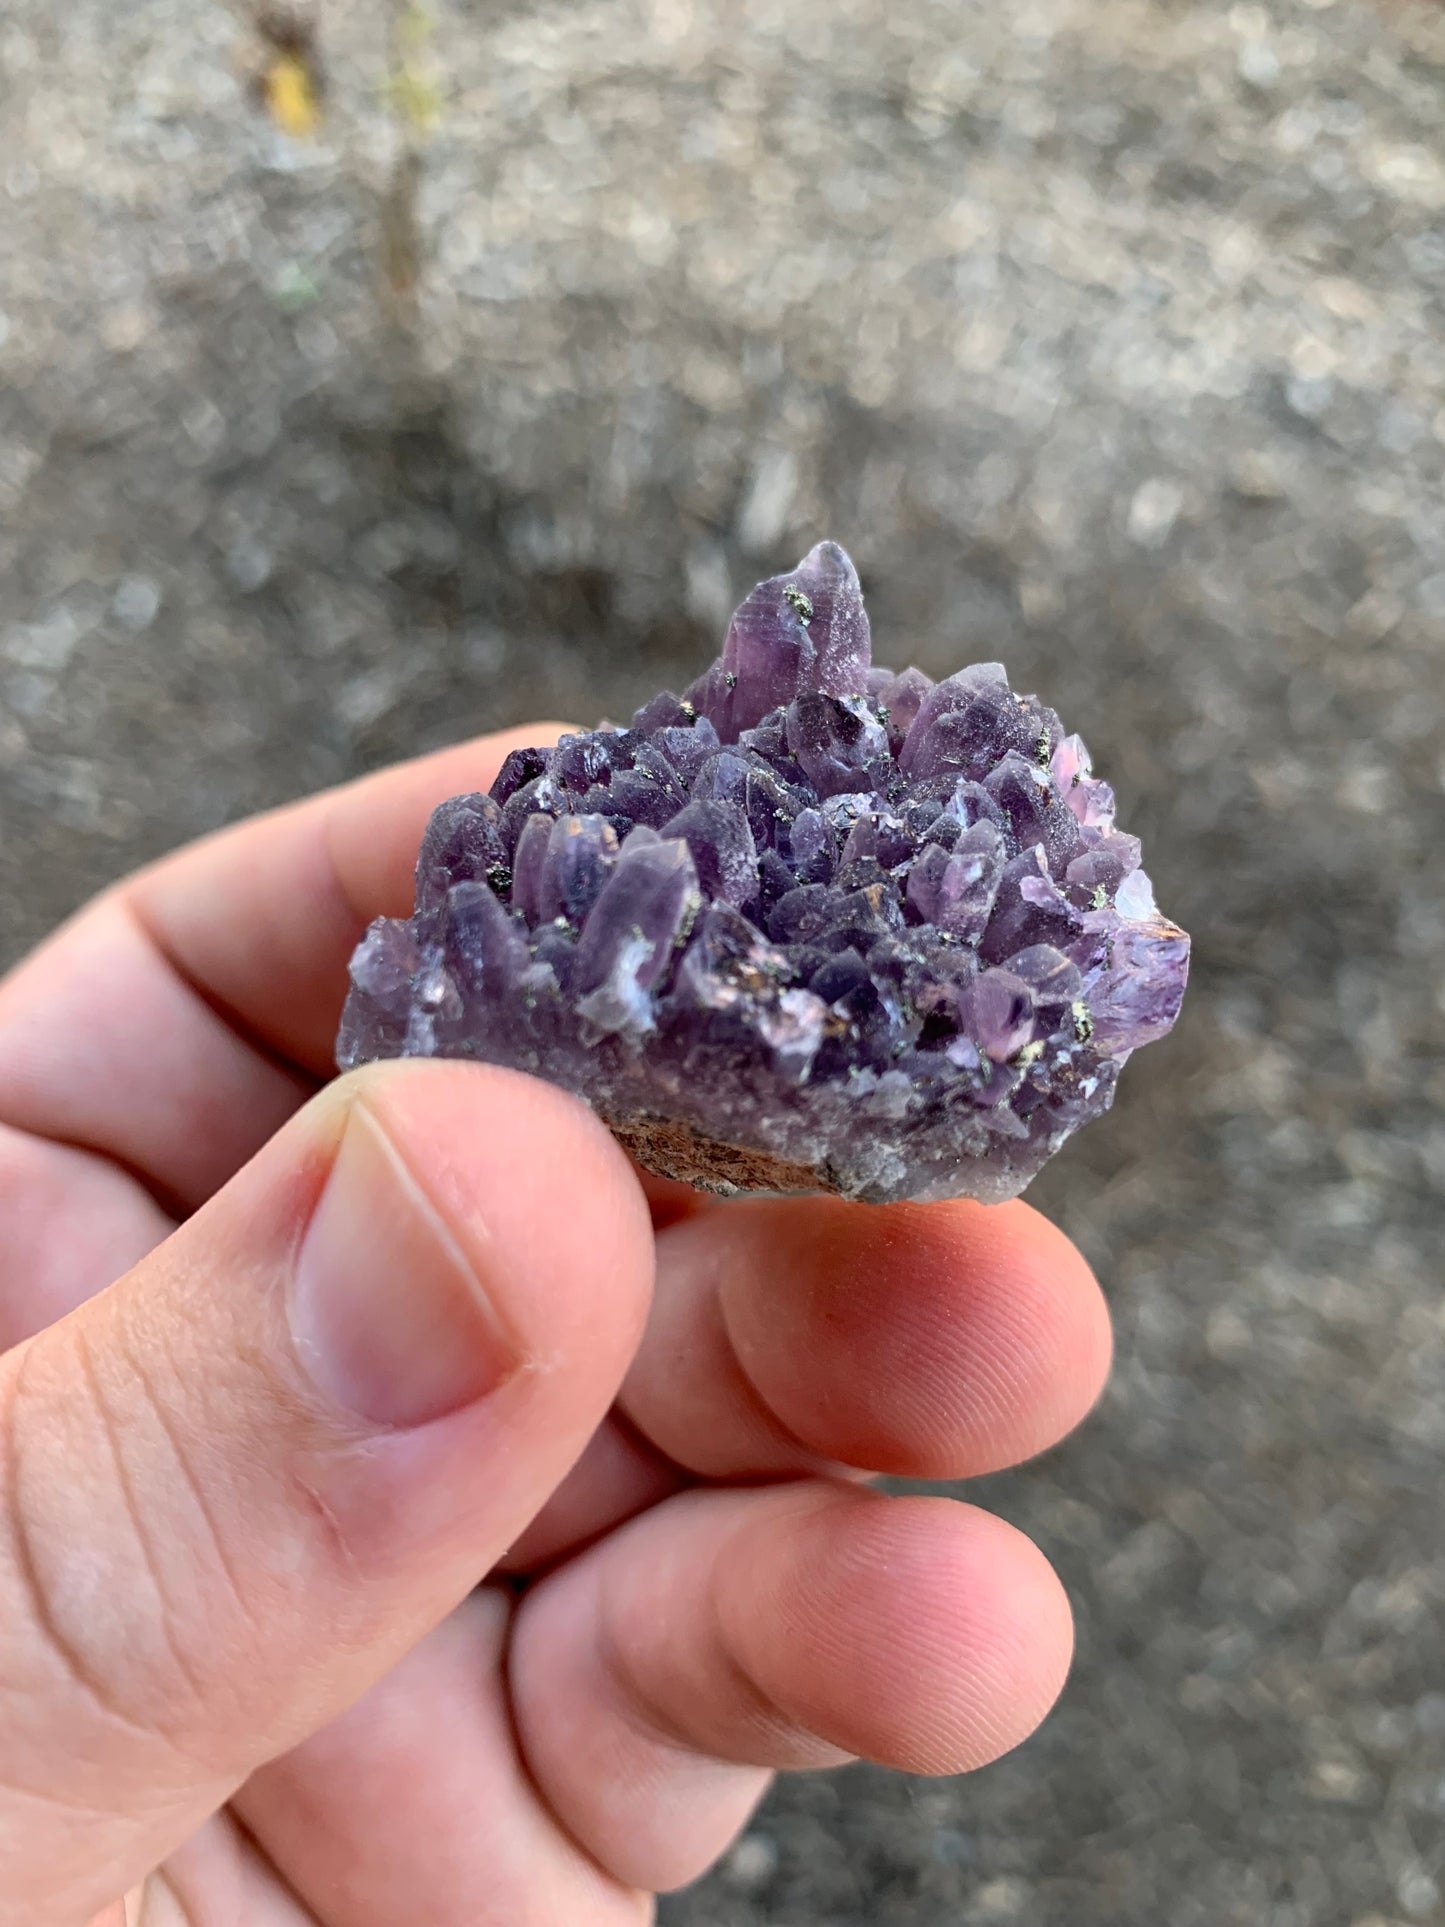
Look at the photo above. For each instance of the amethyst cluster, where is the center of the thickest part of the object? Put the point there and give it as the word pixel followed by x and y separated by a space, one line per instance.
pixel 812 925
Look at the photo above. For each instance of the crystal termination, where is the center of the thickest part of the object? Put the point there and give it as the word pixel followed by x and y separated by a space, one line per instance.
pixel 811 926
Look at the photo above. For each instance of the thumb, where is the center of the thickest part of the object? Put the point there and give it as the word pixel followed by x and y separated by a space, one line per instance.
pixel 239 1485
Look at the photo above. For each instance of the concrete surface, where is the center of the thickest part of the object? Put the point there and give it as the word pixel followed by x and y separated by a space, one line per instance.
pixel 1111 339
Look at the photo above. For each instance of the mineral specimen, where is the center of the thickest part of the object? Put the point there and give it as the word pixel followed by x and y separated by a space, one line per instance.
pixel 811 926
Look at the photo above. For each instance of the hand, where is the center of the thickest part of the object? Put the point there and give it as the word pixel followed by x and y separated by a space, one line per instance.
pixel 408 1515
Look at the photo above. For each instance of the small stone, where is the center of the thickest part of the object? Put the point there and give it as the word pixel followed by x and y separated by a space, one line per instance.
pixel 1153 510
pixel 810 926
pixel 136 602
pixel 752 1862
pixel 250 564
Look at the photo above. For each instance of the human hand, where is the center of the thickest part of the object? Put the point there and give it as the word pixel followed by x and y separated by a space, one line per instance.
pixel 379 1543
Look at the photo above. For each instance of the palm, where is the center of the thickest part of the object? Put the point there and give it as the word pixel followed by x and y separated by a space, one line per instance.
pixel 711 1593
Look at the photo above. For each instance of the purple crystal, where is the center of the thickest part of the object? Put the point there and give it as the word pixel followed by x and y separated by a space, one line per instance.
pixel 795 634
pixel 812 925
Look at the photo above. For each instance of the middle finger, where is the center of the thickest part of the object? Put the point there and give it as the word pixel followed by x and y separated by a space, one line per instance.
pixel 929 1341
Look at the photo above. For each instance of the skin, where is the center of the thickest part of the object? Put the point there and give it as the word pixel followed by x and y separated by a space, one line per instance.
pixel 500 1599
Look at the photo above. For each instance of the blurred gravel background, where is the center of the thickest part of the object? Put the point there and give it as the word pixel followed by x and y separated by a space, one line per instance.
pixel 1110 338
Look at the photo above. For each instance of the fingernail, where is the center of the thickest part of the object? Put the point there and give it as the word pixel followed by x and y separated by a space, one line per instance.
pixel 388 1313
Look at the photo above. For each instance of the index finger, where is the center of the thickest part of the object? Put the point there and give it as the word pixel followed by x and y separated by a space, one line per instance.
pixel 177 1021
pixel 262 919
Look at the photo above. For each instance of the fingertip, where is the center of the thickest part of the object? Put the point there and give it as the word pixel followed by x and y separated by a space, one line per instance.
pixel 1036 1268
pixel 1039 1240
pixel 920 1633
pixel 968 1337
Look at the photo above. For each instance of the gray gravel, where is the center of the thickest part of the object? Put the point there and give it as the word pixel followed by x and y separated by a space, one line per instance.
pixel 1109 338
